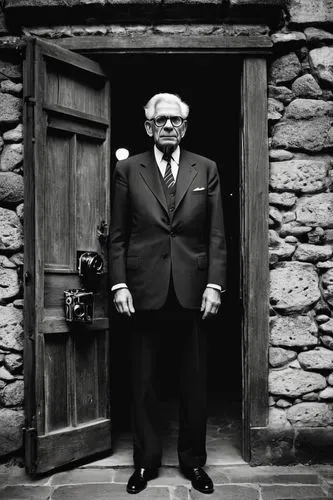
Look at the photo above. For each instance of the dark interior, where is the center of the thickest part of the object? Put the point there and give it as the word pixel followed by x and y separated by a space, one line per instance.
pixel 210 84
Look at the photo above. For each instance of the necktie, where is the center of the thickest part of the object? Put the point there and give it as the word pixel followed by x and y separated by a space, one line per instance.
pixel 168 177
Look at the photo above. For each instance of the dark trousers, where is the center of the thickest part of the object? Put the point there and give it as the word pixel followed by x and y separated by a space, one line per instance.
pixel 150 332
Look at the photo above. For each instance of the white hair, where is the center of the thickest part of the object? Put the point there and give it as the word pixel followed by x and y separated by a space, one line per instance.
pixel 152 103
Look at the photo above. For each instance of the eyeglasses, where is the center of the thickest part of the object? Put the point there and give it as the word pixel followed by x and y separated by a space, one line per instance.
pixel 160 121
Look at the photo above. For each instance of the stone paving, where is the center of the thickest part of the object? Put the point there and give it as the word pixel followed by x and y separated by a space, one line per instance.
pixel 240 482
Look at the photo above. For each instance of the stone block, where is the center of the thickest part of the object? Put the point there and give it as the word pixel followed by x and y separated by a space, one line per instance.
pixel 327 341
pixel 14 135
pixel 307 12
pixel 10 109
pixel 326 394
pixel 321 61
pixel 12 394
pixel 280 491
pixel 280 92
pixel 272 474
pixel 283 200
pixel 11 234
pixel 280 155
pixel 11 423
pixel 315 210
pixel 304 109
pixel 275 109
pixel 10 285
pixel 103 491
pixel 285 68
pixel 10 71
pixel 303 176
pixel 317 236
pixel 293 286
pixel 327 326
pixel 26 493
pixel 82 476
pixel 282 251
pixel 277 418
pixel 279 356
pixel 308 135
pixel 5 374
pixel 310 396
pixel 293 383
pixel 20 212
pixel 306 252
pixel 317 36
pixel 11 157
pixel 306 87
pixel 230 492
pixel 292 38
pixel 310 415
pixel 14 362
pixel 11 328
pixel 11 188
pixel 9 87
pixel 271 445
pixel 316 359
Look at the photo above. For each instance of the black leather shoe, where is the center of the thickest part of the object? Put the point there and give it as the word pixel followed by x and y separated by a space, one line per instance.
pixel 199 479
pixel 138 480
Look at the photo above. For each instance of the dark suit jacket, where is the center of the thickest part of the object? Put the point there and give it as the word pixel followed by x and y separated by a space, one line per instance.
pixel 146 245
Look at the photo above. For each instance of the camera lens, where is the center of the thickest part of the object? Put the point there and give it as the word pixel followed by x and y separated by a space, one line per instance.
pixel 79 310
pixel 97 263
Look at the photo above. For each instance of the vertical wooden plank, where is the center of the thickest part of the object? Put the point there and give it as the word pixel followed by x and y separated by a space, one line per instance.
pixel 40 128
pixel 254 244
pixel 29 257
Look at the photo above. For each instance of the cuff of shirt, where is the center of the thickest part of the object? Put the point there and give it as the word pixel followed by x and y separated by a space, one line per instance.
pixel 217 287
pixel 118 286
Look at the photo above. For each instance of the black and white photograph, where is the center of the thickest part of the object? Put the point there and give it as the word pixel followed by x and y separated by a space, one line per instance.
pixel 166 249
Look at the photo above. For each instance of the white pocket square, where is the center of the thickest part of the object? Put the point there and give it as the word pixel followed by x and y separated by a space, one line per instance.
pixel 199 189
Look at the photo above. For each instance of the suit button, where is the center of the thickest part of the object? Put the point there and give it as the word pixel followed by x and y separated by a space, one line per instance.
pixel 171 209
pixel 172 234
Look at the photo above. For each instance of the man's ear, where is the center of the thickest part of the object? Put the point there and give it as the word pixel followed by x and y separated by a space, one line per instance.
pixel 149 128
pixel 184 128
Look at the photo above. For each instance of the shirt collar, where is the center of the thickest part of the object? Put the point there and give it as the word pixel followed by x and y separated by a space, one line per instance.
pixel 159 155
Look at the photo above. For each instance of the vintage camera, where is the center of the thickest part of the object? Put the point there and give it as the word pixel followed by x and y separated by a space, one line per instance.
pixel 90 264
pixel 79 305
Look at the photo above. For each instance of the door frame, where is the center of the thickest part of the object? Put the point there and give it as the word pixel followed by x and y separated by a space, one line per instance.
pixel 253 185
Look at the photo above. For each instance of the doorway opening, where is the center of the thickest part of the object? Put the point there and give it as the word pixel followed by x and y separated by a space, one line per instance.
pixel 210 84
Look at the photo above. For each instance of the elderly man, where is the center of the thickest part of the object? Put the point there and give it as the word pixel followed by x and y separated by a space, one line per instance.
pixel 168 269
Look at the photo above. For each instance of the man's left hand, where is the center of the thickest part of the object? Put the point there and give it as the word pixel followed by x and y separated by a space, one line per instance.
pixel 211 301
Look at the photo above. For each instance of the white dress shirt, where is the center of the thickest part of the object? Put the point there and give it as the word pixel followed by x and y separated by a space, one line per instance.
pixel 162 164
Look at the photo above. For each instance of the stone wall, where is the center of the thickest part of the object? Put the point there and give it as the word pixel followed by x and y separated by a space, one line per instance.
pixel 301 227
pixel 11 254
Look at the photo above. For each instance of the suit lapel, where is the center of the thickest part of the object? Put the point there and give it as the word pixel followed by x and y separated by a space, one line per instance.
pixel 149 173
pixel 186 173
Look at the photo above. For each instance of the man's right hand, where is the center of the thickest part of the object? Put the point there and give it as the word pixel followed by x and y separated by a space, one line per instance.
pixel 123 302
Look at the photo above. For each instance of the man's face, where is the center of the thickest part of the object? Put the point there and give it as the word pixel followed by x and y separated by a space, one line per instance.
pixel 166 137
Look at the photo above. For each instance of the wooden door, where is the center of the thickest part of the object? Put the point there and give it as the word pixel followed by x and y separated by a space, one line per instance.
pixel 67 196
